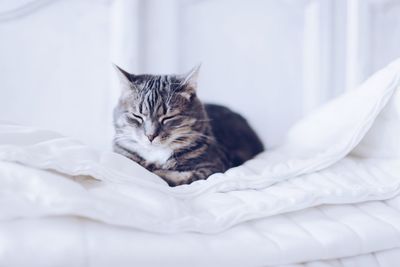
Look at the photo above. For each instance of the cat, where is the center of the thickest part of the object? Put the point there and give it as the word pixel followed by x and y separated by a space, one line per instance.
pixel 161 124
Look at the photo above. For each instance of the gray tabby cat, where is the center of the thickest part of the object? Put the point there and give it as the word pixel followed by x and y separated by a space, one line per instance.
pixel 161 124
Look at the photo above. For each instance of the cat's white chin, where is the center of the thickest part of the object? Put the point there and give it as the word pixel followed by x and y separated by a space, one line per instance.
pixel 152 153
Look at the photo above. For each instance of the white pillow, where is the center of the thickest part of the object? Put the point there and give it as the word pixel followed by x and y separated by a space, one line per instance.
pixel 383 139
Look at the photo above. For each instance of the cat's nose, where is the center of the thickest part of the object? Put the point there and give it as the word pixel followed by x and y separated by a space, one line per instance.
pixel 151 130
pixel 151 137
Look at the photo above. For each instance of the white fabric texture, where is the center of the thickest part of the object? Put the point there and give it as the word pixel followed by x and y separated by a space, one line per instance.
pixel 324 234
pixel 344 153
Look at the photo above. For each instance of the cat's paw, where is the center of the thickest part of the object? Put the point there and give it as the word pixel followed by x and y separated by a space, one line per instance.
pixel 175 178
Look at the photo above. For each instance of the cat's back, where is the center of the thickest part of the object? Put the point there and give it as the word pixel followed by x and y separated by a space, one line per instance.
pixel 233 133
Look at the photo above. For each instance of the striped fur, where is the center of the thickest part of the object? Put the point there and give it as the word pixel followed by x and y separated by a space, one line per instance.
pixel 161 124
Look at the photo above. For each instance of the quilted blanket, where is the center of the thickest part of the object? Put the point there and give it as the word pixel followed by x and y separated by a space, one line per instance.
pixel 347 152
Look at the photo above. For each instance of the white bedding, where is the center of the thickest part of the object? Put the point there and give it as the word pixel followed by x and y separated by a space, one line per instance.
pixel 333 233
pixel 264 213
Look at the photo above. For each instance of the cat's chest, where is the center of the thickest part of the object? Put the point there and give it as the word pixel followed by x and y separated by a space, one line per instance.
pixel 153 154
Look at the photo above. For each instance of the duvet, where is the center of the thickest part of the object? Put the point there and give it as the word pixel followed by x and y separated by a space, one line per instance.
pixel 329 196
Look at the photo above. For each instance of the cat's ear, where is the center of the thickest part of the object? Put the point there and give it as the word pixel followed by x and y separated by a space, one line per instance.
pixel 126 79
pixel 189 82
pixel 190 78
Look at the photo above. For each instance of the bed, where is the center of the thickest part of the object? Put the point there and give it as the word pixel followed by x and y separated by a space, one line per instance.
pixel 329 196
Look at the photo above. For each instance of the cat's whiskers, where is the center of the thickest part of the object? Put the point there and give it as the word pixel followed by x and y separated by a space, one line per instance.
pixel 123 138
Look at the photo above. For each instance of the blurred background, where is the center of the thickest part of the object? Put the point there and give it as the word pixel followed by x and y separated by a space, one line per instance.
pixel 272 60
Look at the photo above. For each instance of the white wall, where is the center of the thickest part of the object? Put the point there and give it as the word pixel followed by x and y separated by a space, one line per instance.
pixel 272 60
pixel 54 67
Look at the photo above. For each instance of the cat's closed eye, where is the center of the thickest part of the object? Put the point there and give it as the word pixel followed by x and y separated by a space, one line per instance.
pixel 167 119
pixel 132 117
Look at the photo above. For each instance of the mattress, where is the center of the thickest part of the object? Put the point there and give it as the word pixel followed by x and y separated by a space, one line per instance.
pixel 329 196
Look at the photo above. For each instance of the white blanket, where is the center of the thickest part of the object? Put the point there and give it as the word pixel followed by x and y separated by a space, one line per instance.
pixel 346 152
pixel 365 233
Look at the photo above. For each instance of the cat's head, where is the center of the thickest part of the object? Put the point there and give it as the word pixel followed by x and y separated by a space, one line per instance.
pixel 158 110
